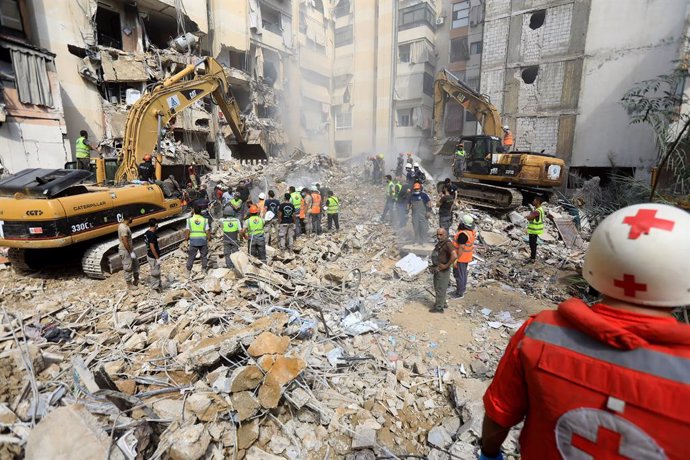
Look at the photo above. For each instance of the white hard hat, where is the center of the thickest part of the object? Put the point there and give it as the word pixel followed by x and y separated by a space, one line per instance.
pixel 506 127
pixel 262 196
pixel 467 221
pixel 416 165
pixel 408 166
pixel 314 188
pixel 641 254
pixel 299 189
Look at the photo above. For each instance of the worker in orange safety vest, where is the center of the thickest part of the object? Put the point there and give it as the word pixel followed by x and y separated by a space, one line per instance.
pixel 464 244
pixel 507 138
pixel 315 211
pixel 610 381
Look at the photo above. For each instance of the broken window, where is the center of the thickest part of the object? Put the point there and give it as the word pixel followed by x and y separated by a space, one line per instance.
pixel 161 28
pixel 459 50
pixel 238 59
pixel 108 27
pixel 270 19
pixel 413 16
pixel 476 48
pixel 404 53
pixel 537 18
pixel 117 92
pixel 404 117
pixel 342 9
pixel 529 74
pixel 343 36
pixel 461 14
pixel 10 16
pixel 428 84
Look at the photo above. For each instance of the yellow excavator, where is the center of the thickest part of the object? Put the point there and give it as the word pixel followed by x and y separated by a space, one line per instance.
pixel 493 178
pixel 49 215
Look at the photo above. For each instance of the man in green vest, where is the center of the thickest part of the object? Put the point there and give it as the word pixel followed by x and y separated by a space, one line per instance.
pixel 535 227
pixel 83 150
pixel 459 160
pixel 296 200
pixel 390 197
pixel 198 234
pixel 231 233
pixel 254 231
pixel 235 204
pixel 332 210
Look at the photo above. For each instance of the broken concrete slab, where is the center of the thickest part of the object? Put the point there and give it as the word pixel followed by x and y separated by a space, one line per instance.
pixel 245 378
pixel 282 369
pixel 270 393
pixel 189 442
pixel 364 438
pixel 70 432
pixel 494 239
pixel 412 265
pixel 245 404
pixel 247 434
pixel 267 343
pixel 439 437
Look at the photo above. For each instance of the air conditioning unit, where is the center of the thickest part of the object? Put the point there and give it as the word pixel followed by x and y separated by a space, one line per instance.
pixel 440 20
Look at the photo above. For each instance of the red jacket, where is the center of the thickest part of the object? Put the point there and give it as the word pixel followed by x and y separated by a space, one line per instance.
pixel 609 383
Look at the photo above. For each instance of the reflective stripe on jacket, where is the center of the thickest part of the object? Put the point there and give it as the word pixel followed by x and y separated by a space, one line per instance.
pixel 197 226
pixel 333 205
pixel 466 250
pixel 82 150
pixel 255 226
pixel 536 226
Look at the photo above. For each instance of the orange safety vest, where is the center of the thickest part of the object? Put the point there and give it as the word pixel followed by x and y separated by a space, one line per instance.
pixel 302 209
pixel 589 386
pixel 466 250
pixel 316 203
pixel 508 138
pixel 260 205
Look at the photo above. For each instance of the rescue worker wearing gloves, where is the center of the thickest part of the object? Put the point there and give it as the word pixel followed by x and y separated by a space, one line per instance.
pixel 198 235
pixel 146 170
pixel 459 160
pixel 315 211
pixel 535 227
pixel 254 231
pixel 332 210
pixel 231 233
pixel 464 245
pixel 442 258
pixel 420 206
pixel 610 381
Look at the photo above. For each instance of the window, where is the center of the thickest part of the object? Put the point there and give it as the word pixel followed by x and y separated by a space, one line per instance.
pixel 461 14
pixel 458 49
pixel 343 36
pixel 428 85
pixel 476 48
pixel 412 16
pixel 343 120
pixel 404 117
pixel 342 9
pixel 10 16
pixel 108 28
pixel 270 19
pixel 404 53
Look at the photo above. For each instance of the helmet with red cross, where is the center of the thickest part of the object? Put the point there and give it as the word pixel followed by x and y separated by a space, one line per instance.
pixel 641 255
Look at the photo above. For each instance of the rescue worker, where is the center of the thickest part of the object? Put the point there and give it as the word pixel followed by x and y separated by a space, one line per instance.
pixel 459 160
pixel 451 187
pixel 420 207
pixel 375 170
pixel 315 211
pixel 82 149
pixel 198 234
pixel 390 197
pixel 286 222
pixel 464 245
pixel 130 262
pixel 271 218
pixel 409 174
pixel 507 139
pixel 396 192
pixel 153 255
pixel 445 209
pixel 535 227
pixel 304 208
pixel 237 205
pixel 419 175
pixel 261 204
pixel 231 233
pixel 146 169
pixel 254 231
pixel 296 200
pixel 442 258
pixel 607 381
pixel 400 164
pixel 332 209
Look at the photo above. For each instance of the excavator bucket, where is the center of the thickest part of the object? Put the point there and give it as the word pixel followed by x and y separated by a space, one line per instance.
pixel 249 152
pixel 445 146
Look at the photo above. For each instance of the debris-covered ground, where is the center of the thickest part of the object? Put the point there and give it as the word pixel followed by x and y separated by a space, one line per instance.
pixel 326 352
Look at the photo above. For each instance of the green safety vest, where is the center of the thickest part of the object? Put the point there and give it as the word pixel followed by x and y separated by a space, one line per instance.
pixel 231 225
pixel 296 200
pixel 536 226
pixel 236 203
pixel 460 153
pixel 255 226
pixel 397 187
pixel 197 226
pixel 82 149
pixel 333 205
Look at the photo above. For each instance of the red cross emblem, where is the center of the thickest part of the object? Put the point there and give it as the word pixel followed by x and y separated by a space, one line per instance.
pixel 606 446
pixel 629 286
pixel 645 220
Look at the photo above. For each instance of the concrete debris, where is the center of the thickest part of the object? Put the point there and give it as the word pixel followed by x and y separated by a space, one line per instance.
pixel 189 442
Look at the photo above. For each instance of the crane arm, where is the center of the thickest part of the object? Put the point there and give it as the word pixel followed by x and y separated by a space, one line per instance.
pixel 155 109
pixel 447 86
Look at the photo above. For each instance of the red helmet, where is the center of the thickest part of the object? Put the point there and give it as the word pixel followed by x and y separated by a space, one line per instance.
pixel 253 209
pixel 147 157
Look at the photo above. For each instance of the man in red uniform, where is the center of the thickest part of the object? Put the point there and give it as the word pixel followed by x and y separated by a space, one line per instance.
pixel 611 381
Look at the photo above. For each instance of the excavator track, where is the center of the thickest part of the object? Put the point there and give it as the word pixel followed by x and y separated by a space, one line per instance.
pixel 489 196
pixel 101 260
pixel 18 260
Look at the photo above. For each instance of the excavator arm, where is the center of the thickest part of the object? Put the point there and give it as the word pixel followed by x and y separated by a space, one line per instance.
pixel 155 109
pixel 447 86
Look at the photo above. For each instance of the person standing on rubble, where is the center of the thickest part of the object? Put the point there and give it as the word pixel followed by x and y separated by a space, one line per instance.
pixel 304 210
pixel 607 381
pixel 420 206
pixel 231 226
pixel 451 187
pixel 535 227
pixel 409 175
pixel 261 204
pixel 464 245
pixel 333 210
pixel 445 209
pixel 286 219
pixel 296 200
pixel 390 197
pixel 83 149
pixel 442 258
pixel 315 211
pixel 236 204
pixel 254 231
pixel 130 262
pixel 459 160
pixel 400 165
pixel 271 220
pixel 198 234
pixel 401 204
pixel 153 255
